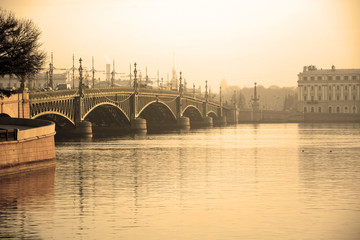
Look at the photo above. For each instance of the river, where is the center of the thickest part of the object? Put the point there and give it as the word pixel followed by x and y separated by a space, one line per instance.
pixel 248 181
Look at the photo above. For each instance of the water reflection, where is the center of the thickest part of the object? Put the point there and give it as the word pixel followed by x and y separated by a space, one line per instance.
pixel 329 171
pixel 239 182
pixel 26 201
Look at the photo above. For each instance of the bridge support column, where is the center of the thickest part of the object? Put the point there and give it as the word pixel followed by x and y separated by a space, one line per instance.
pixel 208 122
pixel 183 122
pixel 83 129
pixel 138 125
pixel 222 121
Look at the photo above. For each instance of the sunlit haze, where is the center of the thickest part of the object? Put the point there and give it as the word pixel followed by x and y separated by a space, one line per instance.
pixel 241 41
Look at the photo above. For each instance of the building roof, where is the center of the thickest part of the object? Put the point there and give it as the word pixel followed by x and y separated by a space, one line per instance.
pixel 330 72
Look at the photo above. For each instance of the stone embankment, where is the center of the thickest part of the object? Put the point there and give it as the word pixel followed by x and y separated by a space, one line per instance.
pixel 24 142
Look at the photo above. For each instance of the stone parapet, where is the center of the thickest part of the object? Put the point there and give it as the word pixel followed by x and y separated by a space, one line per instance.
pixel 34 142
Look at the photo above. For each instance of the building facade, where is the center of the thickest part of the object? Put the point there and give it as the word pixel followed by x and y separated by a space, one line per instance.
pixel 40 81
pixel 329 90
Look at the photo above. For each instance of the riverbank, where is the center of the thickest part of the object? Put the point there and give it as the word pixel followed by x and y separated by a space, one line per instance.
pixel 24 142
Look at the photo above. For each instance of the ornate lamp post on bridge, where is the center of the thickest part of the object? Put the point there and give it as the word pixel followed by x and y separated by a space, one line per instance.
pixel 137 124
pixel 181 86
pixel 51 72
pixel 222 118
pixel 208 121
pixel 80 79
pixel 182 122
pixel 135 79
pixel 206 91
pixel 82 128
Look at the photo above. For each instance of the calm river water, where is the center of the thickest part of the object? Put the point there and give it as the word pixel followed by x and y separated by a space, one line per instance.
pixel 265 181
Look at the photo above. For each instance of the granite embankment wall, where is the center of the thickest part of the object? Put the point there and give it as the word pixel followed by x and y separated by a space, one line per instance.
pixel 270 116
pixel 331 117
pixel 34 142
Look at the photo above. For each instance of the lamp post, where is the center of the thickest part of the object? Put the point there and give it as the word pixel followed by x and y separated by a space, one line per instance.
pixel 180 87
pixel 80 78
pixel 206 91
pixel 135 79
pixel 220 97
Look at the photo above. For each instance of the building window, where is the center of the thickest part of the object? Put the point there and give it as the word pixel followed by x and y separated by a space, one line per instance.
pixel 319 88
pixel 319 97
pixel 337 109
pixel 304 78
pixel 305 109
pixel 338 97
pixel 345 109
pixel 337 77
pixel 312 87
pixel 330 97
pixel 305 88
pixel 346 87
pixel 330 109
pixel 354 87
pixel 312 109
pixel 319 109
pixel 345 97
pixel 319 78
pixel 354 97
pixel 312 98
pixel 354 109
pixel 353 77
pixel 337 87
pixel 346 77
pixel 329 87
pixel 312 78
pixel 304 97
pixel 329 77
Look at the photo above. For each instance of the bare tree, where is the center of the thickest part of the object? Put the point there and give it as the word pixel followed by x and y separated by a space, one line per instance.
pixel 20 53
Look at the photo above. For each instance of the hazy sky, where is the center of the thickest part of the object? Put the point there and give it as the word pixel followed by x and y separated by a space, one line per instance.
pixel 267 41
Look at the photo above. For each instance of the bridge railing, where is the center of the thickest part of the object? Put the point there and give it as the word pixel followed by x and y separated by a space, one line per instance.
pixel 110 90
pixel 52 94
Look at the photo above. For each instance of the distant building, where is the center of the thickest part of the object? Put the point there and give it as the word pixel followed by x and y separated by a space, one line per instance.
pixel 40 80
pixel 329 90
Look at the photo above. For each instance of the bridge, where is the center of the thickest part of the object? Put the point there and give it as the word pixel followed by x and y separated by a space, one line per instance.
pixel 84 110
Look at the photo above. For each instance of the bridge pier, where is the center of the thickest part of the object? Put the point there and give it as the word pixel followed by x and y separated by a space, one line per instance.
pixel 208 122
pixel 222 121
pixel 83 129
pixel 183 123
pixel 138 125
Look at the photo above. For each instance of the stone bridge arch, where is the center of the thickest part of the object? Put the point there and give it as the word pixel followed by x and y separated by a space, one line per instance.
pixel 192 111
pixel 49 113
pixel 107 117
pixel 157 102
pixel 212 114
pixel 158 115
pixel 107 104
pixel 62 107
